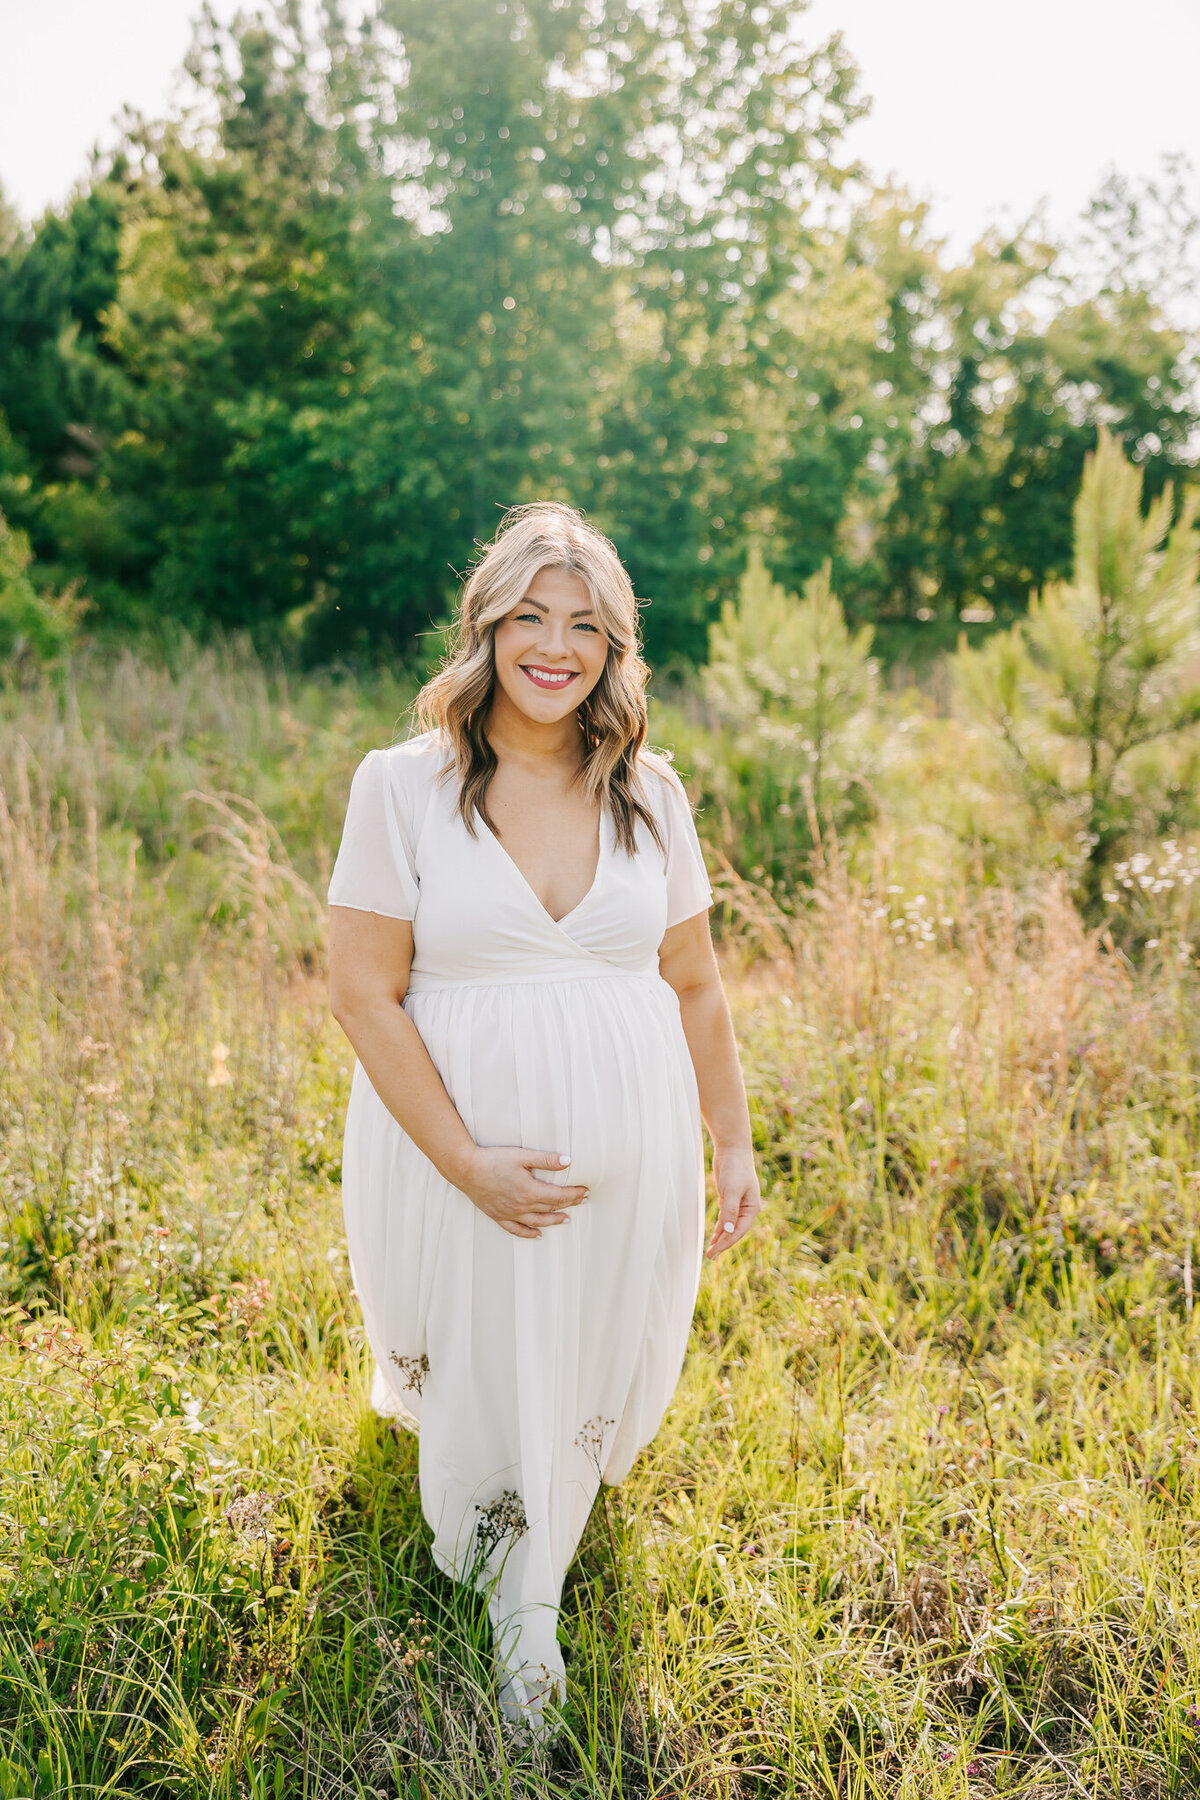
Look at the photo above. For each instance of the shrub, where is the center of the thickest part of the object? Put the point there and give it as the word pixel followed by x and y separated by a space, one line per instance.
pixel 34 626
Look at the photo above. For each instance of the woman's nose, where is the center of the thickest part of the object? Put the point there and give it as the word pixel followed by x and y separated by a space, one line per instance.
pixel 554 639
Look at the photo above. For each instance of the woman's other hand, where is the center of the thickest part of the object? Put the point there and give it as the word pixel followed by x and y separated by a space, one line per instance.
pixel 738 1194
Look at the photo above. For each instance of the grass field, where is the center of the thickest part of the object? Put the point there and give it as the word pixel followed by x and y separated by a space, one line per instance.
pixel 922 1518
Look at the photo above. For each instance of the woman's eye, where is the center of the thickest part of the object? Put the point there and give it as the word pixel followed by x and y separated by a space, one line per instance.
pixel 532 618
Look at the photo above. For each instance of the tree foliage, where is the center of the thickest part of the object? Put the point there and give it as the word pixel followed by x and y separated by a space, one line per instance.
pixel 793 683
pixel 35 627
pixel 1104 675
pixel 285 356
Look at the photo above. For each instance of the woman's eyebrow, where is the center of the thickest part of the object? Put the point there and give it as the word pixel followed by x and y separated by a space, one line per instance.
pixel 583 612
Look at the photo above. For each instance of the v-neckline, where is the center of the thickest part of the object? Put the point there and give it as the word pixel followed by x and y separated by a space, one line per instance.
pixel 542 908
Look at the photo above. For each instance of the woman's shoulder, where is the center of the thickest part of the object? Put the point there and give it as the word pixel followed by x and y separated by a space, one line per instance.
pixel 404 777
pixel 659 765
pixel 416 761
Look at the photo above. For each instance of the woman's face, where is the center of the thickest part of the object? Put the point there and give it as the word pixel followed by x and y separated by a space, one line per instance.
pixel 551 648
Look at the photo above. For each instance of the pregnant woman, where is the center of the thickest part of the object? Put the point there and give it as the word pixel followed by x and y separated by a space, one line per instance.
pixel 521 959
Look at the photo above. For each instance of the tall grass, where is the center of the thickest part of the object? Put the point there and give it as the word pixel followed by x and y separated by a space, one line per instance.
pixel 921 1519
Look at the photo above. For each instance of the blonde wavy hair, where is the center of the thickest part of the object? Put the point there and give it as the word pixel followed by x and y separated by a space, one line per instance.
pixel 612 718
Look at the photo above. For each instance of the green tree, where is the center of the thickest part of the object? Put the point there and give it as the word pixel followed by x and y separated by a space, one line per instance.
pixel 282 372
pixel 63 391
pixel 794 684
pixel 54 286
pixel 1022 367
pixel 839 376
pixel 615 190
pixel 1090 695
pixel 251 277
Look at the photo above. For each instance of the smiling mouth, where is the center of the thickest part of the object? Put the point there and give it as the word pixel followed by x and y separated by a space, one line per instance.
pixel 549 679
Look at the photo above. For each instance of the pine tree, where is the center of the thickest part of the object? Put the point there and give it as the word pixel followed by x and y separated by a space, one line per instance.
pixel 1091 693
pixel 792 680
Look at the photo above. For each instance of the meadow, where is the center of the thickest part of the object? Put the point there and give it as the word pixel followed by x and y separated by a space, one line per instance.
pixel 921 1519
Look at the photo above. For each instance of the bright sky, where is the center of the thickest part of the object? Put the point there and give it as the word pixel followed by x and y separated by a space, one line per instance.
pixel 984 110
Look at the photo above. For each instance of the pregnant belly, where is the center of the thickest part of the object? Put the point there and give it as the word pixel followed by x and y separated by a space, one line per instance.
pixel 597 1069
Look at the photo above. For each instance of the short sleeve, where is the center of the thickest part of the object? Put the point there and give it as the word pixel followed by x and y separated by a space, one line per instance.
pixel 688 890
pixel 375 871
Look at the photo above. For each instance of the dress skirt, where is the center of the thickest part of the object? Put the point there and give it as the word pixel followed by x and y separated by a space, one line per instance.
pixel 534 1368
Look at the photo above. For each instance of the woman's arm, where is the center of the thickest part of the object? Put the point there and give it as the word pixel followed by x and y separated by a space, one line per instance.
pixel 688 962
pixel 370 956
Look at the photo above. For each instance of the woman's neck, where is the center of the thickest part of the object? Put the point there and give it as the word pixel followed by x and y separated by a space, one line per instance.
pixel 512 733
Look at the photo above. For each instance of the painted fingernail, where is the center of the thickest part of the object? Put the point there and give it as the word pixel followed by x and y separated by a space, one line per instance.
pixel 727 1226
pixel 563 1161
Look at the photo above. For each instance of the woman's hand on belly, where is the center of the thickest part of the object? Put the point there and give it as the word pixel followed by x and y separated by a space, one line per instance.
pixel 501 1184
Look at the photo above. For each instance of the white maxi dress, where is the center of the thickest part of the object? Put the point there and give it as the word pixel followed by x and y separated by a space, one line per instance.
pixel 533 1368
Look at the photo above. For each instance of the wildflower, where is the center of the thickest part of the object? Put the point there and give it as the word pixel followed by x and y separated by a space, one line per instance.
pixel 249 1516
pixel 246 1300
pixel 419 1646
pixel 503 1517
pixel 590 1438
pixel 957 1335
pixel 413 1369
